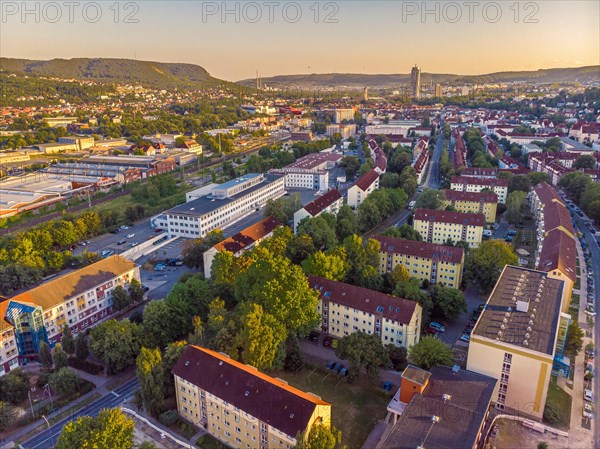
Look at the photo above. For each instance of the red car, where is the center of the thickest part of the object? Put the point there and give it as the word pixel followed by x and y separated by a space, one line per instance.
pixel 327 341
pixel 432 331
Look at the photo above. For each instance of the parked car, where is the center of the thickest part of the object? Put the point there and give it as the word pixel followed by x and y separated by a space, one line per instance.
pixel 157 230
pixel 129 236
pixel 124 228
pixel 588 395
pixel 387 386
pixel 587 415
pixel 313 336
pixel 588 407
pixel 159 267
pixel 121 242
pixel 327 341
pixel 334 343
pixel 465 337
pixel 439 327
pixel 115 231
pixel 511 232
pixel 330 364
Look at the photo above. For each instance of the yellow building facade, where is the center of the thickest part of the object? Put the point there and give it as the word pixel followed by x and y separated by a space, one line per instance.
pixel 439 226
pixel 484 203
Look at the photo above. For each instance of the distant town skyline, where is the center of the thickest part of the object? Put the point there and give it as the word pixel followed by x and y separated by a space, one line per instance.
pixel 370 38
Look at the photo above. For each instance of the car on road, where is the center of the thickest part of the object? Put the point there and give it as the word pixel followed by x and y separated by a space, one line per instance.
pixel 132 244
pixel 588 395
pixel 121 242
pixel 115 231
pixel 437 326
pixel 129 236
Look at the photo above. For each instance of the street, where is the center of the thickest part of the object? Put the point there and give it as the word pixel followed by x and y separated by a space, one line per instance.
pixel 48 438
pixel 434 179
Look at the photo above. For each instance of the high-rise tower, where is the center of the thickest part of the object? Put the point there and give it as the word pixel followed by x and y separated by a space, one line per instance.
pixel 415 81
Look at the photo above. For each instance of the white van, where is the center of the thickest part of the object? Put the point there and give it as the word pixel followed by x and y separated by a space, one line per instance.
pixel 487 234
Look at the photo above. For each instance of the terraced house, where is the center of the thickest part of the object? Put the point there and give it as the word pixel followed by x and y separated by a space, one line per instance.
pixel 81 299
pixel 484 203
pixel 439 226
pixel 438 264
pixel 239 405
pixel 346 309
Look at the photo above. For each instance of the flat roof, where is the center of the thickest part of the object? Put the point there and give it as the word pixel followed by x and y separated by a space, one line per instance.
pixel 205 204
pixel 237 181
pixel 533 327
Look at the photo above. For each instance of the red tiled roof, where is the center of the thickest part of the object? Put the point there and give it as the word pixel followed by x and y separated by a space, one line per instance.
pixel 268 399
pixel 248 236
pixel 445 216
pixel 479 181
pixel 443 253
pixel 559 253
pixel 546 194
pixel 397 309
pixel 366 180
pixel 556 215
pixel 323 202
pixel 459 195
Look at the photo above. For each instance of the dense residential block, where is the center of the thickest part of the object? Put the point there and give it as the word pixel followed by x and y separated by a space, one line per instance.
pixel 519 339
pixel 473 184
pixel 438 264
pixel 241 406
pixel 241 242
pixel 346 309
pixel 330 202
pixel 473 203
pixel 80 299
pixel 439 226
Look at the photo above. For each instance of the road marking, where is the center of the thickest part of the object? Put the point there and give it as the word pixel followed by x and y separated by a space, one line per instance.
pixel 116 394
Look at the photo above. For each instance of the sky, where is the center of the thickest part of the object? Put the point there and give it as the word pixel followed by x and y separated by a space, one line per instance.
pixel 233 40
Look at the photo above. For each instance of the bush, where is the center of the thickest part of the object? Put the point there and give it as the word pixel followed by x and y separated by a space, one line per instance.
pixel 542 445
pixel 88 367
pixel 168 418
pixel 42 379
pixel 552 413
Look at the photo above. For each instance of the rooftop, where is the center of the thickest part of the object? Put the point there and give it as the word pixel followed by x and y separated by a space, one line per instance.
pixel 377 303
pixel 458 195
pixel 248 236
pixel 270 400
pixel 366 180
pixel 445 216
pixel 459 399
pixel 559 253
pixel 443 253
pixel 523 310
pixel 495 182
pixel 323 202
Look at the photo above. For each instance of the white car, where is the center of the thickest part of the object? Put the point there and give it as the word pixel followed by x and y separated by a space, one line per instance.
pixel 130 236
pixel 588 395
pixel 124 228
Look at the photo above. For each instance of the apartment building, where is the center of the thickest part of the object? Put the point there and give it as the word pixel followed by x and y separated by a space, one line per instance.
pixel 345 131
pixel 519 339
pixel 441 408
pixel 346 309
pixel 80 299
pixel 239 405
pixel 484 203
pixel 241 242
pixel 223 204
pixel 439 226
pixel 339 115
pixel 82 143
pixel 309 172
pixel 12 157
pixel 330 202
pixel 556 252
pixel 473 184
pixel 362 188
pixel 438 264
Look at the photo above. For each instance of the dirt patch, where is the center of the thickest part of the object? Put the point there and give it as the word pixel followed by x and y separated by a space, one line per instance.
pixel 144 432
pixel 513 435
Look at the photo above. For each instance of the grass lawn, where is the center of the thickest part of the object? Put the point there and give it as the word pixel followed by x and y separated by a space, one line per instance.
pixel 562 400
pixel 356 407
pixel 209 442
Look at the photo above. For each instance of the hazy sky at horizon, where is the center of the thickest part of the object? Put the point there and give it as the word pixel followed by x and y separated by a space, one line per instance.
pixel 368 37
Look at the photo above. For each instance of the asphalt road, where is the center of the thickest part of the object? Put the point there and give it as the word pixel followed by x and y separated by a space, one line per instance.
pixel 48 438
pixel 434 178
pixel 595 251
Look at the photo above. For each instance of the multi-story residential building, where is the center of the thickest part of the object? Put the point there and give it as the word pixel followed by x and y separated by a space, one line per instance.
pixel 309 172
pixel 441 408
pixel 362 188
pixel 473 184
pixel 439 226
pixel 224 204
pixel 473 203
pixel 330 202
pixel 241 242
pixel 438 264
pixel 240 406
pixel 80 299
pixel 345 131
pixel 346 309
pixel 343 114
pixel 519 339
pixel 82 143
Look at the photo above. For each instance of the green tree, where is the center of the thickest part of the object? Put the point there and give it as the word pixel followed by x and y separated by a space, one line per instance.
pixel 574 184
pixel 331 265
pixel 116 343
pixel 320 229
pixel 585 161
pixel 412 290
pixel 485 263
pixel 158 330
pixel 151 377
pixel 405 232
pixel 448 302
pixel 67 341
pixel 398 356
pixel 363 351
pixel 574 342
pixel 81 346
pixel 216 315
pixel 172 354
pixel 263 335
pixel 514 205
pixel 8 414
pixel 136 291
pixel 45 356
pixel 345 223
pixel 520 183
pixel 64 381
pixel 429 199
pixel 293 358
pixel 320 437
pixel 14 386
pixel 120 298
pixel 59 357
pixel 110 429
pixel 363 257
pixel 430 351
